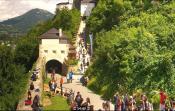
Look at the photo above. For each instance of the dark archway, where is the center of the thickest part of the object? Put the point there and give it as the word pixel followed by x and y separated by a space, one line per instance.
pixel 54 65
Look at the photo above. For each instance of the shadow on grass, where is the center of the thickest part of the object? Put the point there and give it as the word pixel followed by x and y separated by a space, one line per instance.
pixel 57 103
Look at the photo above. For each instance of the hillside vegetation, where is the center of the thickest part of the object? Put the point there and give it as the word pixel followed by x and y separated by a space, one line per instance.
pixel 22 24
pixel 134 47
pixel 16 60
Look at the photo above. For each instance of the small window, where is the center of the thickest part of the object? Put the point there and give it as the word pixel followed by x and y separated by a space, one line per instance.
pixel 54 51
pixel 46 51
pixel 62 51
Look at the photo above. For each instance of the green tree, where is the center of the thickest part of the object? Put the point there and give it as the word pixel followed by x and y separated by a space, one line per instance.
pixel 137 53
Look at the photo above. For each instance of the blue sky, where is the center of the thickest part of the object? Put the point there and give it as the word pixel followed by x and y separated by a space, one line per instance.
pixel 13 8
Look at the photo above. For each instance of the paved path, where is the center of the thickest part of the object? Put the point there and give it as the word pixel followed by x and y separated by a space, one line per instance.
pixel 80 30
pixel 96 100
pixel 80 48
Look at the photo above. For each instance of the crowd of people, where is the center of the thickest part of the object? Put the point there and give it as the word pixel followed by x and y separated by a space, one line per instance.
pixel 121 102
pixel 35 104
pixel 128 103
pixel 139 103
pixel 55 85
pixel 80 104
pixel 83 56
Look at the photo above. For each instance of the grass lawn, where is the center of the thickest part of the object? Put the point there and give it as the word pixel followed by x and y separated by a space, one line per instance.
pixel 46 81
pixel 58 103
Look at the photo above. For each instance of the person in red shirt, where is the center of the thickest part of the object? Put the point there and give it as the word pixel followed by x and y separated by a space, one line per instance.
pixel 162 100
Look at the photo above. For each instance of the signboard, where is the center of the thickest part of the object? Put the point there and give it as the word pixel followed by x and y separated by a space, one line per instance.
pixel 91 42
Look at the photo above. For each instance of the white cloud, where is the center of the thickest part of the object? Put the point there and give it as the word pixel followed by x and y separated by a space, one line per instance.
pixel 13 8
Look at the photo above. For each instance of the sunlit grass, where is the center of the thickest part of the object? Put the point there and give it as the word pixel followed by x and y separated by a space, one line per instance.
pixel 58 103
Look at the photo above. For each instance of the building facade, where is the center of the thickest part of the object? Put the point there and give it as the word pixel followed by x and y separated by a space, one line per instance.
pixel 54 48
pixel 66 4
pixel 86 7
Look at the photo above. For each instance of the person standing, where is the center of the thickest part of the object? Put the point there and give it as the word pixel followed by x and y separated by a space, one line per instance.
pixel 71 76
pixel 29 97
pixel 32 86
pixel 68 79
pixel 53 74
pixel 162 100
pixel 119 104
pixel 87 104
pixel 35 104
pixel 78 99
pixel 61 85
pixel 125 102
pixel 115 101
pixel 106 106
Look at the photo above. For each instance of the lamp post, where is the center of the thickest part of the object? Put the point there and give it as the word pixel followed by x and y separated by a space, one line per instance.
pixel 91 42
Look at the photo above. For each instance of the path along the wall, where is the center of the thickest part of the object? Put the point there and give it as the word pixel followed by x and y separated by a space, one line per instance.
pixel 38 84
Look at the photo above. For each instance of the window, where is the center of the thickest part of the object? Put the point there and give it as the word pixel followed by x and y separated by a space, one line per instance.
pixel 54 51
pixel 46 51
pixel 62 51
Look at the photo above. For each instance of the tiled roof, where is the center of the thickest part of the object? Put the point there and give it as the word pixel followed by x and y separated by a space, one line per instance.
pixel 50 34
pixel 71 47
pixel 63 3
pixel 88 1
pixel 53 34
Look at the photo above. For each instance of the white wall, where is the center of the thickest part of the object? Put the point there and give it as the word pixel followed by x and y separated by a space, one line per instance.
pixel 86 8
pixel 70 1
pixel 51 49
pixel 50 41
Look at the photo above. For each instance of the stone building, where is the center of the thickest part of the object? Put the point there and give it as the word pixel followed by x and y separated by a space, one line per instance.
pixel 54 49
pixel 65 4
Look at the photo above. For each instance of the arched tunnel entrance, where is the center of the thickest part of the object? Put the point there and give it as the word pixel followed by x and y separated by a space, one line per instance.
pixel 54 65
